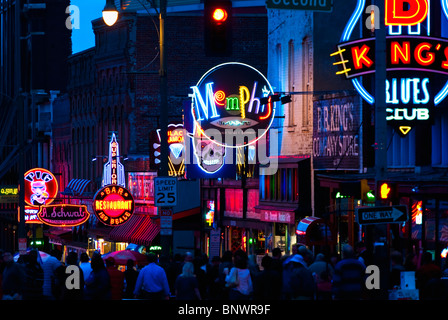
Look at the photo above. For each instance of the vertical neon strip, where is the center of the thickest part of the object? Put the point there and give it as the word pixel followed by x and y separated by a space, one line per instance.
pixel 352 22
pixel 362 91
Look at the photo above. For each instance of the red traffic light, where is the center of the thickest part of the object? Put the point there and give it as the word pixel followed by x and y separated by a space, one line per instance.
pixel 219 15
pixel 385 190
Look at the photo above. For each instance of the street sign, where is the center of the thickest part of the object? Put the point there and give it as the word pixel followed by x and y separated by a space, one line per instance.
pixel 377 215
pixel 166 218
pixel 321 5
pixel 165 192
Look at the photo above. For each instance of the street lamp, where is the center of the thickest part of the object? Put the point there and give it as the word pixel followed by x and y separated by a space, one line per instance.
pixel 110 13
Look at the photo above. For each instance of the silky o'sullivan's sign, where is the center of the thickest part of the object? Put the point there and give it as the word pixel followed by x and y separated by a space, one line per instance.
pixel 113 205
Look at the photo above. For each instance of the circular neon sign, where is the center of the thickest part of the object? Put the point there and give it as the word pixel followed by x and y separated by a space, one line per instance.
pixel 41 187
pixel 113 205
pixel 233 103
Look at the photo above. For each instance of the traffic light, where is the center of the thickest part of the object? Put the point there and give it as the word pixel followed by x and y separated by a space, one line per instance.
pixel 387 190
pixel 218 28
pixel 154 155
pixel 366 193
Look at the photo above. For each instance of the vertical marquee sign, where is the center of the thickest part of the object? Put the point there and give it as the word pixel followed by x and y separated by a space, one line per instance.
pixel 417 60
pixel 113 171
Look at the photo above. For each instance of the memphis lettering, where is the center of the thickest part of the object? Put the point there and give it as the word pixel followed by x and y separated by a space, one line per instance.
pixel 239 104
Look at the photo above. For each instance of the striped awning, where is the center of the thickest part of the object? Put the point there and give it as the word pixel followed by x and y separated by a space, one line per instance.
pixel 140 229
pixel 76 187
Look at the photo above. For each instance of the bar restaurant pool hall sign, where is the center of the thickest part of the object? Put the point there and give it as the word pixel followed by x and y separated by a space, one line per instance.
pixel 113 205
pixel 417 59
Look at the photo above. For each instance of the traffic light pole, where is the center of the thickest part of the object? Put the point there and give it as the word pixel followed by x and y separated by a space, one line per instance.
pixel 166 240
pixel 380 246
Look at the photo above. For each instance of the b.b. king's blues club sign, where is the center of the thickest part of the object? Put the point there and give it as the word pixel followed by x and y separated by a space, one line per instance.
pixel 417 59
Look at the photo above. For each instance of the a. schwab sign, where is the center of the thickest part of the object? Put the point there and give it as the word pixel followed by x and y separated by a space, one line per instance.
pixel 336 133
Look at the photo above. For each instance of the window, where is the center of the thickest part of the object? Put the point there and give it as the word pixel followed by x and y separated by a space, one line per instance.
pixel 291 80
pixel 280 187
pixel 307 79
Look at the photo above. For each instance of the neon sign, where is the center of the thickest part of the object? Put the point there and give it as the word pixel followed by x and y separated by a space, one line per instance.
pixel 176 146
pixel 63 215
pixel 232 96
pixel 41 187
pixel 210 215
pixel 113 170
pixel 416 62
pixel 113 205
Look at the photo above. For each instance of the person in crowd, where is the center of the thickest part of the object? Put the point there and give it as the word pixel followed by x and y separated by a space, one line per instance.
pixel 298 281
pixel 116 279
pixel 267 284
pixel 69 284
pixel 50 266
pixel 85 265
pixel 239 278
pixel 426 275
pixel 174 269
pixel 152 282
pixel 214 291
pixel 396 267
pixel 13 280
pixel 224 269
pixel 97 285
pixel 253 266
pixel 277 260
pixel 130 276
pixel 186 286
pixel 349 276
pixel 323 272
pixel 34 277
pixel 200 270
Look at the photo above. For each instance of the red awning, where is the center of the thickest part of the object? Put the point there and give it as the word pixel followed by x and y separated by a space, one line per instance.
pixel 140 229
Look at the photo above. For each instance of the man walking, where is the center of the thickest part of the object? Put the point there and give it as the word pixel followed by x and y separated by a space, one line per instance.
pixel 152 282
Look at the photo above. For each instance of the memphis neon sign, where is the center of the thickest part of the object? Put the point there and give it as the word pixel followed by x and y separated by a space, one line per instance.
pixel 233 96
pixel 415 61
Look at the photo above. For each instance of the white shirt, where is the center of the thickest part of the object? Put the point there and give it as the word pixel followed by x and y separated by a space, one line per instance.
pixel 244 278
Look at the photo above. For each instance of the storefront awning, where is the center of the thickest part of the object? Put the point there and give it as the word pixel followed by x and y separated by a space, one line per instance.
pixel 75 187
pixel 140 229
pixel 314 231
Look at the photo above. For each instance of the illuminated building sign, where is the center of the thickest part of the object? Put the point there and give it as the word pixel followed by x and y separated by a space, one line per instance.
pixel 416 63
pixel 232 96
pixel 336 133
pixel 9 194
pixel 176 146
pixel 210 214
pixel 63 215
pixel 31 215
pixel 113 171
pixel 113 205
pixel 41 187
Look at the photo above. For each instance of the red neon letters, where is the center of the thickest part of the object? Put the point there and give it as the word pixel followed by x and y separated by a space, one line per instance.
pixel 397 16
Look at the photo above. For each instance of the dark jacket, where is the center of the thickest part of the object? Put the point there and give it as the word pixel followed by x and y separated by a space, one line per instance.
pixel 349 279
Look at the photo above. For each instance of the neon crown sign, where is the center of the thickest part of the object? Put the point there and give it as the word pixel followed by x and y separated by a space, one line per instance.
pixel 417 62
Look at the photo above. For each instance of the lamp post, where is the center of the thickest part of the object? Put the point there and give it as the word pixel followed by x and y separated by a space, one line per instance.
pixel 166 240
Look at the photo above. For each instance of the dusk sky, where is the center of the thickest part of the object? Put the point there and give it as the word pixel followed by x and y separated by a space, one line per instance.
pixel 83 38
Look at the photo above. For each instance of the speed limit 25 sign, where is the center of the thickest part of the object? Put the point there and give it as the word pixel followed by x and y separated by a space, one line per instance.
pixel 165 192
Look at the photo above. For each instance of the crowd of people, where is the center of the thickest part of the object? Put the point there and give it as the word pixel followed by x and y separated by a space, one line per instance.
pixel 234 276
